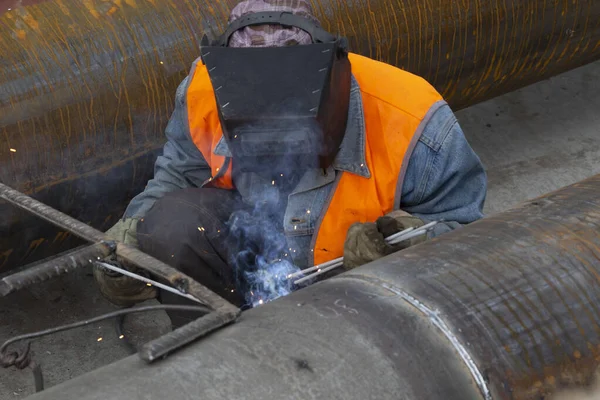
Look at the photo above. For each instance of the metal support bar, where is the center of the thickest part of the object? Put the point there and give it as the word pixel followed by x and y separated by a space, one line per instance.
pixel 129 254
pixel 55 267
pixel 186 334
pixel 223 311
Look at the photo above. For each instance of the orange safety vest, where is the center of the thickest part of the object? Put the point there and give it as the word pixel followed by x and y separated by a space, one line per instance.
pixel 394 102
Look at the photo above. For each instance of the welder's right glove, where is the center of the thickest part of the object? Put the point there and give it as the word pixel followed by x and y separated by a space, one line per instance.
pixel 115 287
pixel 365 242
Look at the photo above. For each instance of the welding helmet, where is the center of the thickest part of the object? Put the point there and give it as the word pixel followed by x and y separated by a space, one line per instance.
pixel 281 101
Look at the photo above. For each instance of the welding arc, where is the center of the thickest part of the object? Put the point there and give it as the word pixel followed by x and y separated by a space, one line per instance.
pixel 394 239
pixel 149 281
pixel 37 372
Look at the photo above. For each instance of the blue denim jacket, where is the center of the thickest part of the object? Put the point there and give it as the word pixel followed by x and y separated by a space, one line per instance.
pixel 445 179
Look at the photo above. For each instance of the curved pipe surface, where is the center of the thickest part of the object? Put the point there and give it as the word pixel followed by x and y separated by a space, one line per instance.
pixel 87 86
pixel 505 308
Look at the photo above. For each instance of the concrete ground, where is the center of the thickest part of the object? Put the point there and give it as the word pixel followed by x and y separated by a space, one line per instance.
pixel 532 141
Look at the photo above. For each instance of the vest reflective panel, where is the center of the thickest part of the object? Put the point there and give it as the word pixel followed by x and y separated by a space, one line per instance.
pixel 204 124
pixel 394 103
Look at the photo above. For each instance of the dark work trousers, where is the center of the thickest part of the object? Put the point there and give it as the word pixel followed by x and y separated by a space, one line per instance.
pixel 187 230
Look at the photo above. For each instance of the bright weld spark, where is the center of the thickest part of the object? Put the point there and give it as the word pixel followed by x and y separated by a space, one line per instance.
pixel 148 284
pixel 121 337
pixel 201 229
pixel 260 301
pixel 232 290
pixel 162 62
pixel 99 339
pixel 308 211
pixel 217 169
pixel 13 150
pixel 272 182
pixel 295 227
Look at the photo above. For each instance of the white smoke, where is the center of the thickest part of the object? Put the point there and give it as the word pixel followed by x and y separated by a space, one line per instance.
pixel 257 249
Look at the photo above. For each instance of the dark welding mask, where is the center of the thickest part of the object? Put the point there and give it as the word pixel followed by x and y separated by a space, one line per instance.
pixel 280 102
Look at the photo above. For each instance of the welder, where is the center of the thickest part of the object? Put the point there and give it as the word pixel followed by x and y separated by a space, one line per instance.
pixel 346 150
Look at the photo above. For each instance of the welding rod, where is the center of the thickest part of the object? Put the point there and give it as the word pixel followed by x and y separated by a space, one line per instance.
pixel 146 280
pixel 338 262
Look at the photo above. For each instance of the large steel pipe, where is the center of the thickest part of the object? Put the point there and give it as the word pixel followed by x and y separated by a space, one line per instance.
pixel 87 86
pixel 505 308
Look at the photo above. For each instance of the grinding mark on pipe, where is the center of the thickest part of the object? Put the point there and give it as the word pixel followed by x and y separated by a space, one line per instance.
pixel 501 320
pixel 515 307
pixel 441 325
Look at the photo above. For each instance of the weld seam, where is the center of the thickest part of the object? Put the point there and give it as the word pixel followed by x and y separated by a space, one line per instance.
pixel 435 318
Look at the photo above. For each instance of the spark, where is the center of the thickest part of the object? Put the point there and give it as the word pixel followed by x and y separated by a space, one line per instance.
pixel 285 254
pixel 148 284
pixel 99 339
pixel 121 337
pixel 294 251
pixel 281 174
pixel 217 169
pixel 162 62
pixel 232 290
pixel 272 182
pixel 235 136
pixel 308 211
pixel 201 229
pixel 362 165
pixel 260 302
pixel 13 150
pixel 295 227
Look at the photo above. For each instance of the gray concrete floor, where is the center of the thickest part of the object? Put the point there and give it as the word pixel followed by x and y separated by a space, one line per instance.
pixel 532 141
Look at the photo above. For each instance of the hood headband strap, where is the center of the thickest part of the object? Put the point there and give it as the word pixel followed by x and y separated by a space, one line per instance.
pixel 318 34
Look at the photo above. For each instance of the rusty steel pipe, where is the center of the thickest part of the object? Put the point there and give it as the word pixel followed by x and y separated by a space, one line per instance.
pixel 87 86
pixel 505 308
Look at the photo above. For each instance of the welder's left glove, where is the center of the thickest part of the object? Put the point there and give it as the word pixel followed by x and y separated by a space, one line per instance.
pixel 365 242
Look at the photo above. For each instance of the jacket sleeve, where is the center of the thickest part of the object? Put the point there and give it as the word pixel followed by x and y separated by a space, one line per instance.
pixel 445 180
pixel 181 165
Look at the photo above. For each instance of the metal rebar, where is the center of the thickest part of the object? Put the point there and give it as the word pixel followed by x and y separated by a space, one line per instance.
pixel 55 267
pixel 179 337
pixel 51 215
pixel 129 254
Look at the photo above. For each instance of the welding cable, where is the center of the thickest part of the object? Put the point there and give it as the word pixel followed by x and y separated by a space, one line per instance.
pixel 22 359
pixel 119 322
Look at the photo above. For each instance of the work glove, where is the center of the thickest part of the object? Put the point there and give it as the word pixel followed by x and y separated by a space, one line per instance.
pixel 117 288
pixel 365 242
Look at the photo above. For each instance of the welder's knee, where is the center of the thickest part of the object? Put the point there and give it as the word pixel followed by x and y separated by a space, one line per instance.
pixel 187 230
pixel 187 218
